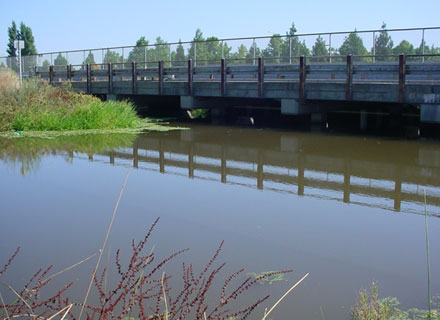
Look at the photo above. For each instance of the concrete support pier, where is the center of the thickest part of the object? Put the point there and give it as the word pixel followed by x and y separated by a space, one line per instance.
pixel 430 113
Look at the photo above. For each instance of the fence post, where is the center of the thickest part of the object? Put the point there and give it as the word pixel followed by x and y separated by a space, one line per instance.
pixel 260 76
pixel 160 71
pixel 302 77
pixel 349 78
pixel 402 75
pixel 110 77
pixel 133 77
pixel 190 78
pixel 50 74
pixel 223 77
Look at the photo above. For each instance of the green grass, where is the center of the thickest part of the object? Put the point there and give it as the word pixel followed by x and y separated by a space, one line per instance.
pixel 37 106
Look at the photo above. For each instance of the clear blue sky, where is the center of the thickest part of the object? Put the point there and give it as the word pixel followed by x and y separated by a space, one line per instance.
pixel 66 25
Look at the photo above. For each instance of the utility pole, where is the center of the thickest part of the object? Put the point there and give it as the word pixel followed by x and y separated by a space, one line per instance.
pixel 19 44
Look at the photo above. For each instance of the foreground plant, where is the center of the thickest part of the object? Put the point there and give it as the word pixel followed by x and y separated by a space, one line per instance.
pixel 145 292
pixel 370 307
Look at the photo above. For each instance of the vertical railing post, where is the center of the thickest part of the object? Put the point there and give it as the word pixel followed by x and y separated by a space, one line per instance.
pixel 69 72
pixel 302 77
pixel 195 53
pixel 260 77
pixel 89 78
pixel 50 74
pixel 133 77
pixel 255 51
pixel 110 77
pixel 423 45
pixel 223 77
pixel 402 75
pixel 35 71
pixel 349 78
pixel 160 71
pixel 330 48
pixel 190 78
pixel 374 47
pixel 290 50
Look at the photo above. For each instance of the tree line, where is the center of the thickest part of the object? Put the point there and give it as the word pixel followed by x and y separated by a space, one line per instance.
pixel 211 48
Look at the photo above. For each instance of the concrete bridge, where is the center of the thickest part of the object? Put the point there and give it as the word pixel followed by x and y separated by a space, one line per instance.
pixel 292 85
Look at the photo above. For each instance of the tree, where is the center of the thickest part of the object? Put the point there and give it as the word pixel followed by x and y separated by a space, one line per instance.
pixel 60 60
pixel 292 47
pixel 354 45
pixel 29 41
pixel 319 49
pixel 254 52
pixel 241 53
pixel 90 59
pixel 161 51
pixel 179 55
pixel 384 44
pixel 197 50
pixel 140 52
pixel 404 47
pixel 46 64
pixel 273 49
pixel 112 57
pixel 12 35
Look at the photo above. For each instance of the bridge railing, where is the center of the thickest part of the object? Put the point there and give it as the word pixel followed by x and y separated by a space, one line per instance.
pixel 281 48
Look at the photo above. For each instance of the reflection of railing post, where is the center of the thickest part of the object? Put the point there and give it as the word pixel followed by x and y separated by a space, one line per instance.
pixel 223 164
pixel 190 78
pixel 347 191
pixel 191 161
pixel 397 189
pixel 260 172
pixel 300 175
pixel 161 158
pixel 135 157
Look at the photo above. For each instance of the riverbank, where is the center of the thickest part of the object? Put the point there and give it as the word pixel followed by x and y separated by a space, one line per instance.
pixel 38 109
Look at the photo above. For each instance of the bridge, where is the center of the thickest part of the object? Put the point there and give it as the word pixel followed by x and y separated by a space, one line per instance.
pixel 294 84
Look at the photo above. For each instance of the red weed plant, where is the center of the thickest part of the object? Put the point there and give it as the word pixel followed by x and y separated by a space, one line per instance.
pixel 142 290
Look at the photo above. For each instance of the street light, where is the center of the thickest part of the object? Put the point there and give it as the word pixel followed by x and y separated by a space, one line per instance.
pixel 19 44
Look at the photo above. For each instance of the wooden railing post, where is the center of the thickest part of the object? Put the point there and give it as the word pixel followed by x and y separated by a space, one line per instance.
pixel 260 77
pixel 69 72
pixel 89 77
pixel 160 71
pixel 223 77
pixel 35 71
pixel 50 74
pixel 133 77
pixel 190 78
pixel 302 77
pixel 349 78
pixel 402 75
pixel 110 77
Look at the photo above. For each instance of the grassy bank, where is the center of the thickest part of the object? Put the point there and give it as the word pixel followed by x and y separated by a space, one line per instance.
pixel 38 106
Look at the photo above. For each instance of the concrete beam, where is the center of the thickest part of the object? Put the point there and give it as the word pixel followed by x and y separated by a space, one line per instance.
pixel 190 103
pixel 430 113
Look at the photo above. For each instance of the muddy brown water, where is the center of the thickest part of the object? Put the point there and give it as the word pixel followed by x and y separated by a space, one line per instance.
pixel 347 209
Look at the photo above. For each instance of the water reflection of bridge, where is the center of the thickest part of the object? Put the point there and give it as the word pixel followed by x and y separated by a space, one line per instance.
pixel 390 175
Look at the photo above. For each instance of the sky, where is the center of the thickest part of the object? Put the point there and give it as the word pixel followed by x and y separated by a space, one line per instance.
pixel 66 25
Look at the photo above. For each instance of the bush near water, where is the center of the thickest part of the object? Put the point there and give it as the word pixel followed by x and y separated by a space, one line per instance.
pixel 37 106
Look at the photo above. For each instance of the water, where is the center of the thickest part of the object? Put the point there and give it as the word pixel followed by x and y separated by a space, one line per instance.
pixel 349 210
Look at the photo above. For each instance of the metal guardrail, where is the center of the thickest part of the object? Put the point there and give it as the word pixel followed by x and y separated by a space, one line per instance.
pixel 200 51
